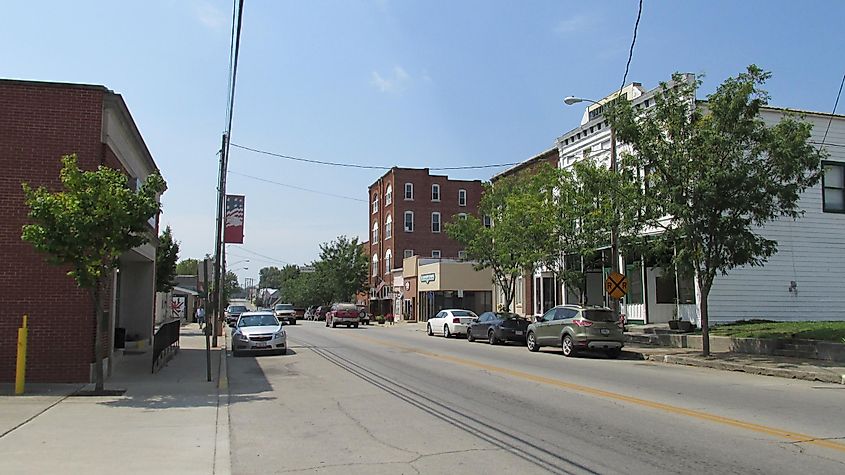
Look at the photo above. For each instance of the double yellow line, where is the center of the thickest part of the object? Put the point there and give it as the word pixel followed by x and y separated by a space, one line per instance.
pixel 771 431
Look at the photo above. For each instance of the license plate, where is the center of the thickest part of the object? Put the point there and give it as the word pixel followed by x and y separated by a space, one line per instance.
pixel 518 332
pixel 261 347
pixel 605 331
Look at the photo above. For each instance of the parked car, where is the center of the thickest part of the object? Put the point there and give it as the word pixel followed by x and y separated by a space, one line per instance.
pixel 258 332
pixel 364 315
pixel 450 322
pixel 343 314
pixel 577 327
pixel 233 312
pixel 498 327
pixel 322 310
pixel 285 313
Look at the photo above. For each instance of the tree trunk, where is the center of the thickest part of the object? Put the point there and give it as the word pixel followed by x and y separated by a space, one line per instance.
pixel 511 289
pixel 98 339
pixel 701 303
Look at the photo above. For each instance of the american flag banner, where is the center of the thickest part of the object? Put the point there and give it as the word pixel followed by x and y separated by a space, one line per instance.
pixel 233 231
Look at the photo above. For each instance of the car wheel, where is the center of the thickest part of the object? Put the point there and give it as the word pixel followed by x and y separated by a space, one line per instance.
pixel 446 332
pixel 531 342
pixel 428 330
pixel 470 338
pixel 354 325
pixel 613 353
pixel 334 325
pixel 491 338
pixel 567 346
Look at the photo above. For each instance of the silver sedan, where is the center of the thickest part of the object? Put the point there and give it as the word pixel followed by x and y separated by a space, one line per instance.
pixel 258 332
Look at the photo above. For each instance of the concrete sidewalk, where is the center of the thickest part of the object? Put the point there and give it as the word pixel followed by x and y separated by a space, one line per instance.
pixel 174 421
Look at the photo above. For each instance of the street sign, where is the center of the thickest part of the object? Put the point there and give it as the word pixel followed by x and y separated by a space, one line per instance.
pixel 616 285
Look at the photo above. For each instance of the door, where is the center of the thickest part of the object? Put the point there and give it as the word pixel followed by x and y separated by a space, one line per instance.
pixel 563 318
pixel 544 329
pixel 479 330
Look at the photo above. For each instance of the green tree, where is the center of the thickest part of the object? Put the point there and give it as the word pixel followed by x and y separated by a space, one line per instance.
pixel 88 225
pixel 166 256
pixel 188 267
pixel 231 287
pixel 715 173
pixel 510 246
pixel 343 268
pixel 270 278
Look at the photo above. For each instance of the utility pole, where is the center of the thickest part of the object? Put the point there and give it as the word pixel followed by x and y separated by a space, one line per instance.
pixel 218 244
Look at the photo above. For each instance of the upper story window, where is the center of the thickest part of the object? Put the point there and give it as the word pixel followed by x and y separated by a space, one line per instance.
pixel 375 202
pixel 488 221
pixel 408 253
pixel 375 231
pixel 409 221
pixel 435 222
pixel 462 197
pixel 409 191
pixel 388 261
pixel 435 192
pixel 388 227
pixel 435 253
pixel 388 195
pixel 833 184
pixel 462 216
pixel 375 265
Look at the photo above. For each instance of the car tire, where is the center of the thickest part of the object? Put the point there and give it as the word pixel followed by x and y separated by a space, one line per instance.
pixel 491 338
pixel 428 330
pixel 354 325
pixel 470 338
pixel 567 346
pixel 531 342
pixel 334 325
pixel 613 353
pixel 446 332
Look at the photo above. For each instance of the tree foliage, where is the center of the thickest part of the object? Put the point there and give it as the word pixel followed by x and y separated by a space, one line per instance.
pixel 166 256
pixel 188 267
pixel 714 173
pixel 343 268
pixel 87 225
pixel 270 278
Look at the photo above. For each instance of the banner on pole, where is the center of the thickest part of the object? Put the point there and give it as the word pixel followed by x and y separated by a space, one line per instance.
pixel 233 231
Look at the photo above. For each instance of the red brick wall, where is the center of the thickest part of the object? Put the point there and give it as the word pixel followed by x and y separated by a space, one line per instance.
pixel 39 124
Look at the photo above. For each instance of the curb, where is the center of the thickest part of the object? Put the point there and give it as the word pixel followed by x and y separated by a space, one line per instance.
pixel 765 371
pixel 222 454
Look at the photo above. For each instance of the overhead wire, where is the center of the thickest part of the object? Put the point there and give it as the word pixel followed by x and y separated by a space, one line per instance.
pixel 633 42
pixel 296 187
pixel 835 104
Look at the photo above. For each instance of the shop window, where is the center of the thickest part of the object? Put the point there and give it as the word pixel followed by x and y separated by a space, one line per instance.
pixel 666 289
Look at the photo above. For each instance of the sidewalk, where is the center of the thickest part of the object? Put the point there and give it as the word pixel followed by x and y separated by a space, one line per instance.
pixel 174 421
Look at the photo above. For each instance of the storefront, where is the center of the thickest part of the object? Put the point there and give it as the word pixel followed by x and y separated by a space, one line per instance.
pixel 432 285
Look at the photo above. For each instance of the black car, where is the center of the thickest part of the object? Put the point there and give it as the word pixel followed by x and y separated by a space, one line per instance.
pixel 498 327
pixel 233 312
pixel 321 312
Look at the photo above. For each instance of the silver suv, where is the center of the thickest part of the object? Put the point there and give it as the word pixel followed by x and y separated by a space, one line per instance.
pixel 577 327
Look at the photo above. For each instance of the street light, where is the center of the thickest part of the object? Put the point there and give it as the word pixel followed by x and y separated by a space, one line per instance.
pixel 614 229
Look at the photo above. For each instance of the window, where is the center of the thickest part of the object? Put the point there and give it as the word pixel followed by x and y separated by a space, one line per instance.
pixel 409 221
pixel 375 231
pixel 435 222
pixel 488 221
pixel 388 227
pixel 435 253
pixel 462 216
pixel 388 261
pixel 408 253
pixel 833 183
pixel 435 192
pixel 388 195
pixel 462 197
pixel 375 265
pixel 375 202
pixel 563 313
pixel 666 289
pixel 409 191
pixel 462 255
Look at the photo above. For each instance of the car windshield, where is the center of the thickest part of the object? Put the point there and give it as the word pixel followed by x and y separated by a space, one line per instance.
pixel 598 315
pixel 257 321
pixel 284 306
pixel 463 313
pixel 507 316
pixel 237 309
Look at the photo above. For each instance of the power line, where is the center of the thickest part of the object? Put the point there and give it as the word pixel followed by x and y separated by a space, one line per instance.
pixel 830 121
pixel 367 167
pixel 633 42
pixel 241 248
pixel 297 187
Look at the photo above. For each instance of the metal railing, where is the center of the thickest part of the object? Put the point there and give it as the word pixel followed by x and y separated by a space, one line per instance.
pixel 165 342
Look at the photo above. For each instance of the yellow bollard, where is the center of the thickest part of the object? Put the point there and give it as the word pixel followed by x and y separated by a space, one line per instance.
pixel 20 373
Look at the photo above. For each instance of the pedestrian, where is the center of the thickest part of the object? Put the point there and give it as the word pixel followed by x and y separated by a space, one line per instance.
pixel 201 316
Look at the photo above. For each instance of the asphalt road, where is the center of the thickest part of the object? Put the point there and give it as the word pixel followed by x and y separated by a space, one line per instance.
pixel 392 400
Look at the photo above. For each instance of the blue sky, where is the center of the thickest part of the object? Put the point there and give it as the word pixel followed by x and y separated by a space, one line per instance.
pixel 388 82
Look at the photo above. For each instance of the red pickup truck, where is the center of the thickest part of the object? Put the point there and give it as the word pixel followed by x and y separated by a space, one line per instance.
pixel 343 314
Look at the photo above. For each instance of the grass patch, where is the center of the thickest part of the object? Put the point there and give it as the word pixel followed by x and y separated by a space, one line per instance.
pixel 826 331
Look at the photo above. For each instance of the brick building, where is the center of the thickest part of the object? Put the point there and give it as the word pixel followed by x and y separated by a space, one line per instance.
pixel 409 208
pixel 41 122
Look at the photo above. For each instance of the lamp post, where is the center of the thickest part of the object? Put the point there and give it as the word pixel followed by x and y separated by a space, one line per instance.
pixel 614 228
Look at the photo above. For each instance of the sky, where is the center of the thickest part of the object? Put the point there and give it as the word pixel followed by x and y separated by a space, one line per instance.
pixel 422 83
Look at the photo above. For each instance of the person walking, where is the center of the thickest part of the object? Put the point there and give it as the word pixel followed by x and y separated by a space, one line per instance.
pixel 201 316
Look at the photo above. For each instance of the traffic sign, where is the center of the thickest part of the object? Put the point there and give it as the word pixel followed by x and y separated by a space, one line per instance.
pixel 616 285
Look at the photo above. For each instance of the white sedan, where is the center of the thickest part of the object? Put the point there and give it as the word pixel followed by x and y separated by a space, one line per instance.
pixel 450 322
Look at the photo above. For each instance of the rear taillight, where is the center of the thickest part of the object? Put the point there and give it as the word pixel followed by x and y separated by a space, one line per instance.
pixel 583 323
pixel 456 320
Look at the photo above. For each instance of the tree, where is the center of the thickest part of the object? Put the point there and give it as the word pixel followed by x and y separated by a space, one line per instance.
pixel 188 267
pixel 166 257
pixel 270 278
pixel 713 174
pixel 343 268
pixel 510 246
pixel 231 286
pixel 88 225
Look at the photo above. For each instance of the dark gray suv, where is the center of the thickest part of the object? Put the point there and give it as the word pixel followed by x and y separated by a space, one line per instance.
pixel 577 327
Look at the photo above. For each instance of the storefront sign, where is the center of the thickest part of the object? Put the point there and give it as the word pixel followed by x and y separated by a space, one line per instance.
pixel 427 278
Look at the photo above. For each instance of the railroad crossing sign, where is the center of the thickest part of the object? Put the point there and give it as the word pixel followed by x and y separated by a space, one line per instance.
pixel 616 285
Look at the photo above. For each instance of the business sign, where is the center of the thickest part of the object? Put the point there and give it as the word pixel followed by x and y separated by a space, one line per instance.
pixel 233 231
pixel 428 278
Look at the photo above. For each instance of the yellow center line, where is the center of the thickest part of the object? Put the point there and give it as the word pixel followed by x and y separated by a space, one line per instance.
pixel 772 431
